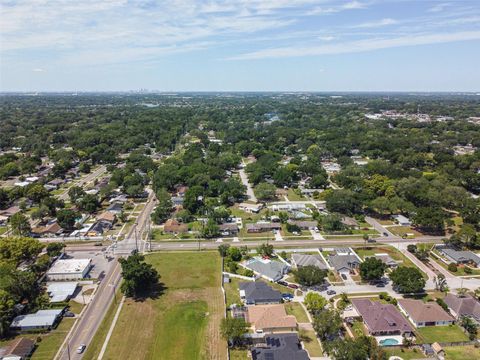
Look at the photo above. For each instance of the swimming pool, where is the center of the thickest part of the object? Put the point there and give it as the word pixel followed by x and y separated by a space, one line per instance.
pixel 389 342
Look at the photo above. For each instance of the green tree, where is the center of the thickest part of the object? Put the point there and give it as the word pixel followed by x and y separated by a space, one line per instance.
pixel 407 279
pixel 372 269
pixel 430 219
pixel 223 250
pixel 36 193
pixel 265 250
pixel 234 329
pixel 55 248
pixel 66 218
pixel 75 193
pixel 7 303
pixel 315 302
pixel 343 201
pixel 265 191
pixel 210 230
pixel 164 207
pixel 20 224
pixel 310 275
pixel 88 203
pixel 17 249
pixel 138 276
pixel 327 324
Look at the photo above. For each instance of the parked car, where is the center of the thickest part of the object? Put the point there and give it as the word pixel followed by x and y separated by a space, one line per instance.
pixel 287 297
pixel 380 285
pixel 69 314
pixel 385 234
pixel 331 292
pixel 281 282
pixel 344 277
pixel 293 286
pixel 81 348
pixel 371 240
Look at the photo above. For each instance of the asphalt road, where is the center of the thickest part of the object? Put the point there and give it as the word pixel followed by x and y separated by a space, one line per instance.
pixel 85 180
pixel 87 325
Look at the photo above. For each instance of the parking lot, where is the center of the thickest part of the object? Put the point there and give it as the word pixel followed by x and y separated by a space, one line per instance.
pixel 100 264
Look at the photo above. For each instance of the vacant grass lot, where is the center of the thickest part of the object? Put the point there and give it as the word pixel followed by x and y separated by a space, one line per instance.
pixel 405 354
pixel 183 322
pixel 394 254
pixel 461 352
pixel 451 333
pixel 51 342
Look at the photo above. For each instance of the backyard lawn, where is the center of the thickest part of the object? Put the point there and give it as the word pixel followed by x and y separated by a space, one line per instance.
pixel 51 342
pixel 231 291
pixel 183 322
pixel 238 354
pixel 461 352
pixel 451 333
pixel 295 309
pixel 405 354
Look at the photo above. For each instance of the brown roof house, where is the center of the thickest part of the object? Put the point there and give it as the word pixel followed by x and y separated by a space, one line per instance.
pixel 270 319
pixel 382 319
pixel 425 314
pixel 51 228
pixel 172 226
pixel 107 216
pixel 18 349
pixel 463 306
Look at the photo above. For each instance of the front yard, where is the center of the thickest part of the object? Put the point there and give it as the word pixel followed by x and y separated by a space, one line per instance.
pixel 431 334
pixel 295 309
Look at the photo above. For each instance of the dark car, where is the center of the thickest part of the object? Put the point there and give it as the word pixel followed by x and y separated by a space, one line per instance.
pixel 287 295
pixel 281 282
pixel 380 285
pixel 69 314
pixel 371 240
pixel 385 234
pixel 293 286
pixel 331 292
pixel 344 277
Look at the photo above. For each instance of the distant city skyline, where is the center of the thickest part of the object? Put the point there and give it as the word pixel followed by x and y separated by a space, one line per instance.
pixel 244 45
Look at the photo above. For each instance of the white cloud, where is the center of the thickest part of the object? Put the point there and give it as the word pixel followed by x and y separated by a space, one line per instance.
pixel 326 38
pixel 360 45
pixel 38 70
pixel 438 7
pixel 378 23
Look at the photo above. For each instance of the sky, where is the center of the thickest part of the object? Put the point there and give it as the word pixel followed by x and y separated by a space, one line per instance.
pixel 240 45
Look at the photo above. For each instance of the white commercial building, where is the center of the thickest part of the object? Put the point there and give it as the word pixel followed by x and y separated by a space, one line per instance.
pixel 69 269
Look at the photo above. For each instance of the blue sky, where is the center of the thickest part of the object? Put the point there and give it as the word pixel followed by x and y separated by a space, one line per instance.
pixel 241 45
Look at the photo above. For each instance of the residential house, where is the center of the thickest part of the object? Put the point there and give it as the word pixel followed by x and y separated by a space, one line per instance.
pixel 288 207
pixel 99 228
pixel 304 225
pixel 402 220
pixel 227 229
pixel 344 260
pixel 280 347
pixel 300 260
pixel 459 256
pixel 19 349
pixel 463 306
pixel 262 227
pixel 8 213
pixel 115 208
pixel 386 259
pixel 382 319
pixel 425 314
pixel 107 216
pixel 257 292
pixel 122 198
pixel 177 200
pixel 52 228
pixel 250 208
pixel 41 320
pixel 350 222
pixel 270 319
pixel 268 269
pixel 172 226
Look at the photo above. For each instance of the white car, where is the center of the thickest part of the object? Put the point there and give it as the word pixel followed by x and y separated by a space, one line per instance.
pixel 81 348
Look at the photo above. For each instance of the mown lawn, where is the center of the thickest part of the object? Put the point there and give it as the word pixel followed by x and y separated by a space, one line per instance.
pixel 461 352
pixel 405 354
pixel 51 342
pixel 231 291
pixel 238 354
pixel 182 320
pixel 310 342
pixel 451 333
pixel 295 309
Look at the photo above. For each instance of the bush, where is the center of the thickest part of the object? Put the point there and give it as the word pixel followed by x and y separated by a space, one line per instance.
pixel 452 267
pixel 468 270
pixel 412 248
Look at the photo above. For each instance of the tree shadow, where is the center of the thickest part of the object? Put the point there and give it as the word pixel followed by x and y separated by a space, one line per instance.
pixel 153 293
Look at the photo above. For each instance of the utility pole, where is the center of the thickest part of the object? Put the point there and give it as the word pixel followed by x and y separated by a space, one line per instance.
pixel 68 350
pixel 135 233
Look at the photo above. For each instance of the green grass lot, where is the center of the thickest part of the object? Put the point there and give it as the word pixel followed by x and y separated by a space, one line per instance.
pixel 367 231
pixel 461 352
pixel 182 321
pixel 295 195
pixel 402 230
pixel 247 217
pixel 238 354
pixel 310 342
pixel 405 354
pixel 390 250
pixel 75 307
pixel 3 230
pixel 451 333
pixel 358 329
pixel 158 235
pixel 295 309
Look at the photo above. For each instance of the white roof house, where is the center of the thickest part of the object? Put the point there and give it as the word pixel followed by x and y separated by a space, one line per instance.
pixel 402 220
pixel 69 269
pixel 61 291
pixel 42 319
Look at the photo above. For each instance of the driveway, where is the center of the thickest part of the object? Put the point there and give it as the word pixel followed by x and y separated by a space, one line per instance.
pixel 316 235
pixel 278 236
pixel 250 194
pixel 379 227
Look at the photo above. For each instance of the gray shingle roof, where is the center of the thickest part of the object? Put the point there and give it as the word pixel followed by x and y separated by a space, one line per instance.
pixel 309 260
pixel 460 256
pixel 273 270
pixel 280 347
pixel 463 306
pixel 259 292
pixel 341 262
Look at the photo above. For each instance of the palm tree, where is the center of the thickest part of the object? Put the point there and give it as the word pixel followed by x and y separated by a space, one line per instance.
pixel 365 239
